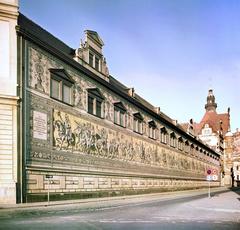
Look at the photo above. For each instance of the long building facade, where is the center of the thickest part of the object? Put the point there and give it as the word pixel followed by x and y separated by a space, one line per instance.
pixel 76 131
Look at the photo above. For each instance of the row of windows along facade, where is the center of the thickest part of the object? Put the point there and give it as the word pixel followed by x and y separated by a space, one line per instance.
pixel 62 90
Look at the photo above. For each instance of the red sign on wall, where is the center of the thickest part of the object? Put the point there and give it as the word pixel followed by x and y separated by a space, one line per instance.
pixel 209 171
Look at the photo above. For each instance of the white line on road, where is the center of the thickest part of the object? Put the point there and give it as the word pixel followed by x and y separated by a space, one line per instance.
pixel 219 209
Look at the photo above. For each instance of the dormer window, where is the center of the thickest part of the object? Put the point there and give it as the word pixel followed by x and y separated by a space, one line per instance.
pixel 95 102
pixel 138 123
pixel 94 60
pixel 152 130
pixel 119 114
pixel 91 59
pixel 97 63
pixel 61 86
pixel 91 52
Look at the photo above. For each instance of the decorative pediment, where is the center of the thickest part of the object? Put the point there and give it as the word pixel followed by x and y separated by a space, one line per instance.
pixel 120 105
pixel 96 92
pixel 90 54
pixel 180 139
pixel 94 36
pixel 152 123
pixel 62 73
pixel 138 116
pixel 163 130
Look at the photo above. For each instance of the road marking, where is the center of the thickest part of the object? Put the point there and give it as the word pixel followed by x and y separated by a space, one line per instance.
pixel 126 221
pixel 219 209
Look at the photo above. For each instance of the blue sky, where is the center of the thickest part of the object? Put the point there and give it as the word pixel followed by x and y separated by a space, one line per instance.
pixel 170 51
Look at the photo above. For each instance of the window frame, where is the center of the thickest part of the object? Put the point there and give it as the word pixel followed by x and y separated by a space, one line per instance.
pixel 180 144
pixel 63 79
pixel 138 123
pixel 91 59
pixel 95 56
pixel 163 135
pixel 119 114
pixel 97 98
pixel 173 140
pixel 186 146
pixel 152 127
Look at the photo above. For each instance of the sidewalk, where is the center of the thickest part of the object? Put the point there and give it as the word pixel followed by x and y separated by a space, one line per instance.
pixel 224 202
pixel 164 195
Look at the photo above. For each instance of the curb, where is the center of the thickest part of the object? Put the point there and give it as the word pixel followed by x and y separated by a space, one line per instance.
pixel 194 192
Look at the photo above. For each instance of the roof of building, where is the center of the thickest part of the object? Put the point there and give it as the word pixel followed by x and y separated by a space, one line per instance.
pixel 215 121
pixel 94 35
pixel 43 35
pixel 43 38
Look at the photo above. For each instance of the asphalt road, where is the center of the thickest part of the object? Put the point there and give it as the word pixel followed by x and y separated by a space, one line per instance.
pixel 174 211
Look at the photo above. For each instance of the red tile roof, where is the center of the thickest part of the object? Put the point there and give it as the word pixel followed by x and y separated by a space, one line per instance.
pixel 213 120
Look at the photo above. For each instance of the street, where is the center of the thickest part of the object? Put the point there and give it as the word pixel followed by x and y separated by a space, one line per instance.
pixel 177 210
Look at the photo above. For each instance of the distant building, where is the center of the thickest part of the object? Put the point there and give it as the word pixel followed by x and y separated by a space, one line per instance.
pixel 213 126
pixel 215 131
pixel 236 158
pixel 68 126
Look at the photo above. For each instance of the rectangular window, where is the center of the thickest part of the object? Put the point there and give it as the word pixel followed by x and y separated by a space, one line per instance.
pixel 119 114
pixel 164 137
pixel 61 86
pixel 66 94
pixel 96 63
pixel 137 125
pixel 95 102
pixel 122 118
pixel 90 104
pixel 55 89
pixel 98 108
pixel 152 132
pixel 116 112
pixel 91 59
pixel 180 145
pixel 191 149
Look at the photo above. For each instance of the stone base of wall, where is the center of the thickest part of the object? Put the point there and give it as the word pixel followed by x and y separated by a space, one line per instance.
pixel 63 186
pixel 98 194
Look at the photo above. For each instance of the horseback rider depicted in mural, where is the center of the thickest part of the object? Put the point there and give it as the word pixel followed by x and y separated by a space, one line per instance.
pixel 65 136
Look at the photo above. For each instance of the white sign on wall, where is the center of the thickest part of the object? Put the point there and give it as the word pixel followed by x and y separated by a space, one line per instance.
pixel 39 125
pixel 215 177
